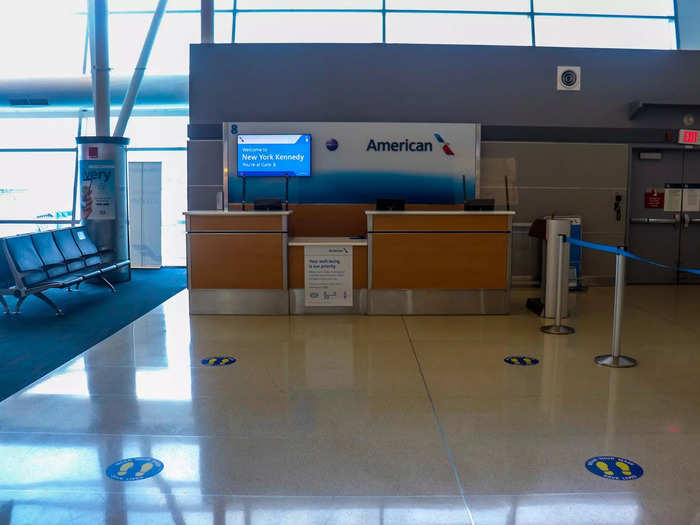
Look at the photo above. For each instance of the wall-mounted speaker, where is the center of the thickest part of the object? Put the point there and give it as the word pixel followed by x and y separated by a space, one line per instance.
pixel 568 78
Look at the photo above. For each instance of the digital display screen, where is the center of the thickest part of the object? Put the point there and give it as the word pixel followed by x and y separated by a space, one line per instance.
pixel 274 155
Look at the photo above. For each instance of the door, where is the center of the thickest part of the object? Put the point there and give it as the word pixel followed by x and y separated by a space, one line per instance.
pixel 664 221
pixel 145 214
pixel 690 232
pixel 654 231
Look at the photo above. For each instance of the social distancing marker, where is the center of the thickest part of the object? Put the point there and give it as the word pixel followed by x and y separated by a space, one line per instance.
pixel 612 467
pixel 133 469
pixel 521 360
pixel 218 361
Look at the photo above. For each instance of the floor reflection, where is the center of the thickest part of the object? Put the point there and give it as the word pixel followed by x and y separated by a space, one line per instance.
pixel 326 420
pixel 582 509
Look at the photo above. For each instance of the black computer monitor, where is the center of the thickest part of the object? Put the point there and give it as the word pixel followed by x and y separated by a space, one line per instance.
pixel 480 205
pixel 267 204
pixel 391 204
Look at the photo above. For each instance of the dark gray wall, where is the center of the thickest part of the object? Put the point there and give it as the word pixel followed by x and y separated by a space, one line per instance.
pixel 496 86
pixel 511 86
pixel 566 179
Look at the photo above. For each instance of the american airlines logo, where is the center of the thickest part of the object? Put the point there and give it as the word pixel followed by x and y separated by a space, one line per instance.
pixel 445 145
pixel 409 145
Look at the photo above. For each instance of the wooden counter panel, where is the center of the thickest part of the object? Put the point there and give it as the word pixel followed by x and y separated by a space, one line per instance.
pixel 440 223
pixel 328 220
pixel 234 223
pixel 296 267
pixel 434 261
pixel 237 261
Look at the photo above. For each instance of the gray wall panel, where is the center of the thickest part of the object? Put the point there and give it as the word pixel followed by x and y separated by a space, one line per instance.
pixel 493 85
pixel 203 197
pixel 205 162
pixel 567 179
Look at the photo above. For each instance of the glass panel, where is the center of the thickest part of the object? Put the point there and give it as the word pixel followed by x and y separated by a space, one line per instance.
pixel 41 39
pixel 460 5
pixel 607 7
pixel 153 132
pixel 170 53
pixel 309 27
pixel 36 185
pixel 437 28
pixel 223 27
pixel 309 4
pixel 173 5
pixel 126 36
pixel 625 33
pixel 38 132
pixel 149 132
pixel 174 201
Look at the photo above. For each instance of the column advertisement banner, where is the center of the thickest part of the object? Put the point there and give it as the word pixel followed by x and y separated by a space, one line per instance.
pixel 97 198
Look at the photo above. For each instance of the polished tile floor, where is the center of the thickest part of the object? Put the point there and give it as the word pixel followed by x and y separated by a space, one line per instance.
pixel 366 420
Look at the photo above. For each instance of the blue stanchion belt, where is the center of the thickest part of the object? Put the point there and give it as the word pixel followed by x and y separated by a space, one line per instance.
pixel 625 253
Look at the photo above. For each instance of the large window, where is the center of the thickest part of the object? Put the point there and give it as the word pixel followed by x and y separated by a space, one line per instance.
pixel 37 172
pixel 48 39
pixel 641 24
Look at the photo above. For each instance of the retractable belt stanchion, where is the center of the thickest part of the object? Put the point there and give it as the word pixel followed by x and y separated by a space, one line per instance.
pixel 615 360
pixel 562 287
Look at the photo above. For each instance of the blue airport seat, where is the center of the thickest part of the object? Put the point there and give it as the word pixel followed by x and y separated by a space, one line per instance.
pixel 70 251
pixel 32 264
pixel 52 257
pixel 27 261
pixel 7 281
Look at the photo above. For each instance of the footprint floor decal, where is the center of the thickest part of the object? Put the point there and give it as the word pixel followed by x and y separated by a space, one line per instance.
pixel 133 469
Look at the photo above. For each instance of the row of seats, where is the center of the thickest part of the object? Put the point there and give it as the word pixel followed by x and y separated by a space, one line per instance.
pixel 31 264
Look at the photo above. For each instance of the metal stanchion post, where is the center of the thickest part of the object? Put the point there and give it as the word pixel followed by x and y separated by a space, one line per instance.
pixel 562 287
pixel 615 360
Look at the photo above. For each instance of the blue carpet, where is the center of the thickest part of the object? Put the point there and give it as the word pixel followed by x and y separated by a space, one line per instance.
pixel 37 341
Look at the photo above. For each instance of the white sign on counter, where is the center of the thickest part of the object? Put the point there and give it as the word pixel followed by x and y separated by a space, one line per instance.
pixel 328 275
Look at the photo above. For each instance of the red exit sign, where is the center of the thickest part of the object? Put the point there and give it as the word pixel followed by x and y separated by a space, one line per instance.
pixel 689 136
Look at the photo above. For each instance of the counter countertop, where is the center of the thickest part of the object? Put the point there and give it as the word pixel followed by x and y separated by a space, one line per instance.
pixel 326 241
pixel 243 213
pixel 439 212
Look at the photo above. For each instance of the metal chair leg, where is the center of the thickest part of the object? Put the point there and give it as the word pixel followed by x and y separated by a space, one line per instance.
pixel 49 302
pixel 4 304
pixel 19 304
pixel 108 283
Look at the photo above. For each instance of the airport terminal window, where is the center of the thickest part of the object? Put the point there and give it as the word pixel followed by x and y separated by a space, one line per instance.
pixel 287 27
pixel 450 28
pixel 609 23
pixel 37 166
pixel 461 5
pixel 606 7
pixel 36 180
pixel 309 4
pixel 50 45
pixel 605 32
pixel 170 53
pixel 35 185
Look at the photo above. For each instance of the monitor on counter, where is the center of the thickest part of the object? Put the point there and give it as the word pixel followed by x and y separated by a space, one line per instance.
pixel 284 155
pixel 391 204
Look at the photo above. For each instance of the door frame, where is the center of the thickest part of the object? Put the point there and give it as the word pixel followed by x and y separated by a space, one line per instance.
pixel 634 149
